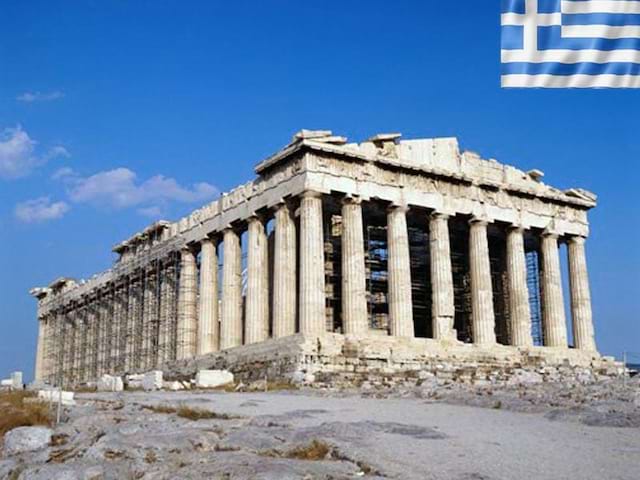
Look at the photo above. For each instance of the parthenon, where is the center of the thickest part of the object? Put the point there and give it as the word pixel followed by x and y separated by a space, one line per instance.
pixel 408 242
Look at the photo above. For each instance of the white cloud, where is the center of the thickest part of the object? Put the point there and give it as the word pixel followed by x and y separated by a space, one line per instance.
pixel 62 173
pixel 31 97
pixel 18 155
pixel 153 211
pixel 120 188
pixel 40 209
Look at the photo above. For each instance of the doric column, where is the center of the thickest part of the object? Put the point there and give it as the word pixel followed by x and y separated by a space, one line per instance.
pixel 38 374
pixel 208 327
pixel 442 305
pixel 132 303
pixel 284 274
pixel 354 282
pixel 555 326
pixel 256 322
pixel 483 319
pixel 399 268
pixel 519 310
pixel 45 366
pixel 187 305
pixel 583 334
pixel 312 294
pixel 231 320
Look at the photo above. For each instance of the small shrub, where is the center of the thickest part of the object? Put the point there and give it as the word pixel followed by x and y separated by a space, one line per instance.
pixel 314 450
pixel 151 457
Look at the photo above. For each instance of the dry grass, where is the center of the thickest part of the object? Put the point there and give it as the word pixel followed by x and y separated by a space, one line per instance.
pixel 201 414
pixel 18 413
pixel 273 386
pixel 160 408
pixel 314 450
pixel 189 413
pixel 85 389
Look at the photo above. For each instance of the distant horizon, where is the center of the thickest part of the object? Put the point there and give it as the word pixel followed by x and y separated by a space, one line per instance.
pixel 114 115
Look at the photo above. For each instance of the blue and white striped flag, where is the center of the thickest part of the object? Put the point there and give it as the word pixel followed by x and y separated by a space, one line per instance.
pixel 570 43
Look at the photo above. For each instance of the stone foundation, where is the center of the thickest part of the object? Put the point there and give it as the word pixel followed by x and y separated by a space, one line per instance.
pixel 339 360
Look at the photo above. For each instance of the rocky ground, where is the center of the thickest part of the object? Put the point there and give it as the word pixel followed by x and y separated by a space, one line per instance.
pixel 424 431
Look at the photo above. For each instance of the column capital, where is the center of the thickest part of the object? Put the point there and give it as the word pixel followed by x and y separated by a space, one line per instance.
pixel 516 227
pixel 281 203
pixel 481 219
pixel 351 199
pixel 440 214
pixel 401 207
pixel 256 216
pixel 231 228
pixel 549 234
pixel 311 194
pixel 577 239
pixel 207 240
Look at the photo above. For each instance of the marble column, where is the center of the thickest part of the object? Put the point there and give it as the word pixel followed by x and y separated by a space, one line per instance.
pixel 583 334
pixel 187 305
pixel 38 374
pixel 208 327
pixel 231 319
pixel 553 317
pixel 482 314
pixel 399 270
pixel 312 283
pixel 256 322
pixel 442 306
pixel 284 273
pixel 354 282
pixel 519 310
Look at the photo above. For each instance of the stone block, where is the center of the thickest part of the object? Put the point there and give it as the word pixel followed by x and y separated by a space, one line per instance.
pixel 26 439
pixel 213 378
pixel 173 386
pixel 152 380
pixel 66 398
pixel 16 380
pixel 108 383
pixel 134 381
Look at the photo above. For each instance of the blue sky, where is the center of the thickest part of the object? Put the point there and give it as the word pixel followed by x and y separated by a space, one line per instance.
pixel 113 113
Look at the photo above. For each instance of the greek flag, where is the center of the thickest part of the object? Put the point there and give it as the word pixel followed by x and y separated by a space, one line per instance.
pixel 570 43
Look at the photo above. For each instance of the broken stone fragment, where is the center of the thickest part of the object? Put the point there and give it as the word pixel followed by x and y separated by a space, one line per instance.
pixel 109 383
pixel 213 378
pixel 305 134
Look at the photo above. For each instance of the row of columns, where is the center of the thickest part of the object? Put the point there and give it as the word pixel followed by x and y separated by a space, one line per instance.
pixel 200 331
pixel 311 288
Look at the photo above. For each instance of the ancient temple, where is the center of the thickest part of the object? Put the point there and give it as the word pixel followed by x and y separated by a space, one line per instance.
pixel 411 245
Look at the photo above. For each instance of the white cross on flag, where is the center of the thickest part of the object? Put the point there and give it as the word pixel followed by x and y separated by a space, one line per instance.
pixel 570 43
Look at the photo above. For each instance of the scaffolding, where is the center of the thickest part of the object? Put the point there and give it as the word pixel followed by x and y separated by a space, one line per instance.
pixel 333 271
pixel 376 270
pixel 499 284
pixel 459 237
pixel 533 285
